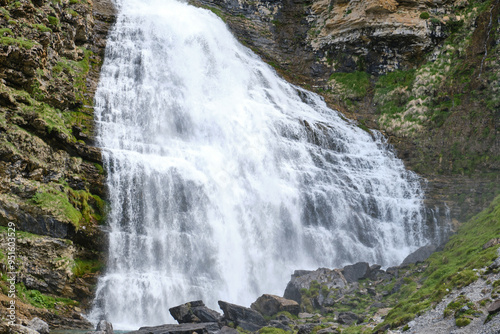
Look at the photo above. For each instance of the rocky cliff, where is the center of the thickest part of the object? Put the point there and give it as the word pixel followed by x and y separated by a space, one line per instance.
pixel 51 179
pixel 425 73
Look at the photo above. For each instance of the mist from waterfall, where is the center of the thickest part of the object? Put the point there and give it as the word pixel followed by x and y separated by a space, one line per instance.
pixel 223 178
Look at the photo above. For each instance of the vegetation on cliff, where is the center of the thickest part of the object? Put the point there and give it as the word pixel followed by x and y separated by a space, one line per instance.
pixel 51 178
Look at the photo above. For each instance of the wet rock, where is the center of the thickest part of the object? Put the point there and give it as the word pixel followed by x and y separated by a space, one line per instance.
pixel 201 328
pixel 243 317
pixel 419 255
pixel 39 325
pixel 105 327
pixel 194 312
pixel 270 305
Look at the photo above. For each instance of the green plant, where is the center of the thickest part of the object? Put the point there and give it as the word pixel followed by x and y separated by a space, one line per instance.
pixel 424 15
pixel 84 267
pixel 462 322
pixel 53 20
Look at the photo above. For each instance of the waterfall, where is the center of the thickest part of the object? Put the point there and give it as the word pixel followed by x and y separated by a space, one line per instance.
pixel 223 178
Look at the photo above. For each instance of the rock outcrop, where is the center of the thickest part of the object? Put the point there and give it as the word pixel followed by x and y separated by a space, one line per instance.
pixel 51 178
pixel 194 312
pixel 269 305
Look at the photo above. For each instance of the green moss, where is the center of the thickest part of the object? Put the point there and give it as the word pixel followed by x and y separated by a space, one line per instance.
pixel 73 12
pixel 462 322
pixel 42 27
pixel 272 330
pixel 54 21
pixel 26 44
pixel 58 204
pixel 355 84
pixel 84 267
pixel 4 31
pixel 39 300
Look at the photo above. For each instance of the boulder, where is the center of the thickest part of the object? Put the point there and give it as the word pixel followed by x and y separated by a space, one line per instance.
pixel 420 255
pixel 280 325
pixel 244 317
pixel 494 307
pixel 228 330
pixel 18 329
pixel 194 312
pixel 306 328
pixel 105 327
pixel 347 318
pixel 301 279
pixel 200 328
pixel 39 325
pixel 270 305
pixel 355 272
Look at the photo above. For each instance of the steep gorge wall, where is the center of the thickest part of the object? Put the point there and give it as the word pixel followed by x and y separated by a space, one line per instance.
pixel 424 73
pixel 51 178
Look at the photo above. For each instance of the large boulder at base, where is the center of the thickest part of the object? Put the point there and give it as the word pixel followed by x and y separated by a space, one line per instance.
pixel 355 272
pixel 301 279
pixel 244 317
pixel 201 328
pixel 420 255
pixel 39 325
pixel 194 312
pixel 271 305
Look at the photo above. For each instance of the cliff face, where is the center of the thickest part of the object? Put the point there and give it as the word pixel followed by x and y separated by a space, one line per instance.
pixel 422 72
pixel 51 178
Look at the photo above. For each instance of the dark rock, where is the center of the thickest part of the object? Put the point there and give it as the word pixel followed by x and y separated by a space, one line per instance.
pixel 280 325
pixel 393 271
pixel 105 327
pixel 271 305
pixel 332 279
pixel 419 255
pixel 306 328
pixel 329 330
pixel 355 272
pixel 494 307
pixel 243 317
pixel 228 330
pixel 377 305
pixel 285 320
pixel 491 243
pixel 201 328
pixel 39 325
pixel 347 318
pixel 374 272
pixel 194 312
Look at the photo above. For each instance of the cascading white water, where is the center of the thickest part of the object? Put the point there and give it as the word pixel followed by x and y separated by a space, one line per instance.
pixel 223 178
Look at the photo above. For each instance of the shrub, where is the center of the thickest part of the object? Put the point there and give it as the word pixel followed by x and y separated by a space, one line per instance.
pixel 424 15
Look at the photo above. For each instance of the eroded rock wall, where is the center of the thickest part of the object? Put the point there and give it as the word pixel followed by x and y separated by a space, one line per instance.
pixel 51 175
